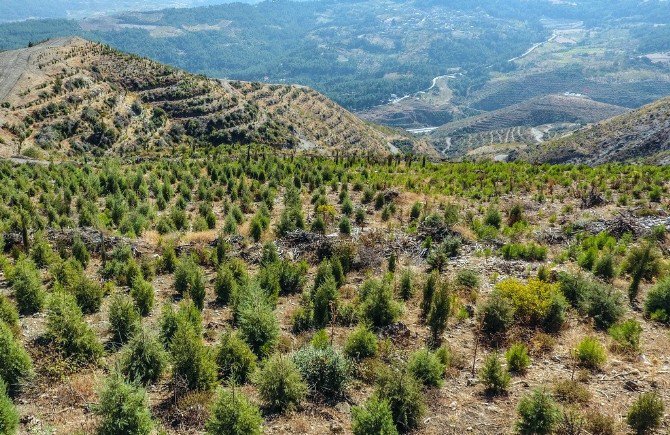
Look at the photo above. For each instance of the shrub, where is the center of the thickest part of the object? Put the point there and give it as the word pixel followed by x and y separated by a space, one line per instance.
pixel 377 306
pixel 517 358
pixel 88 293
pixel 493 376
pixel 41 252
pixel 403 393
pixel 493 217
pixel 292 276
pixel 426 367
pixel 123 408
pixel 256 229
pixel 233 414
pixel 556 313
pixel 323 272
pixel 80 253
pixel 535 303
pixel 528 252
pixel 320 339
pixel 600 424
pixel 8 313
pixel 428 291
pixel 538 414
pixel 121 266
pixel 374 417
pixel 188 279
pixel 646 413
pixel 182 275
pixel 575 288
pixel 192 365
pixel 27 287
pixel 496 315
pixel 570 421
pixel 657 305
pixel 169 258
pixel 16 367
pixel 626 335
pixel 345 226
pixel 604 305
pixel 588 258
pixel 301 319
pixel 143 359
pixel 68 330
pixel 405 289
pixel 324 300
pixel 570 391
pixel 515 214
pixel 234 358
pixel 170 320
pixel 361 343
pixel 259 327
pixel 124 319
pixel 590 353
pixel 642 263
pixel 142 293
pixel 604 267
pixel 439 314
pixel 467 278
pixel 325 370
pixel 225 285
pixel 280 384
pixel 9 416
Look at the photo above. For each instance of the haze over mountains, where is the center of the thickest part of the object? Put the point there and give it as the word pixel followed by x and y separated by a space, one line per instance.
pixel 16 10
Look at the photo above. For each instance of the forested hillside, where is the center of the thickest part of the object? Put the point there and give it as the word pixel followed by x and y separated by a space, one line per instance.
pixel 69 97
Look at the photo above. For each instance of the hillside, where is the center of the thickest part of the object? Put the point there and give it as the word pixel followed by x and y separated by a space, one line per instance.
pixel 68 96
pixel 640 135
pixel 530 122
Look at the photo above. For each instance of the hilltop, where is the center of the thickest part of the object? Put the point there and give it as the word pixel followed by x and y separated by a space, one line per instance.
pixel 639 135
pixel 68 96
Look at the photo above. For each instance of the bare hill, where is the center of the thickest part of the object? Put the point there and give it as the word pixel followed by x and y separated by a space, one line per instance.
pixel 71 95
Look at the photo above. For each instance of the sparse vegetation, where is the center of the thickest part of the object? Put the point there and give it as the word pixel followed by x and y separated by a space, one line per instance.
pixel 280 384
pixel 537 414
pixel 646 413
pixel 299 320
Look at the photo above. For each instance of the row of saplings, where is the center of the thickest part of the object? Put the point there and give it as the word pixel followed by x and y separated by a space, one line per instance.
pixel 317 370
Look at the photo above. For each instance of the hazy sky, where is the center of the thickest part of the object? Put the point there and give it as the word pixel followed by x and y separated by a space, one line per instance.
pixel 14 10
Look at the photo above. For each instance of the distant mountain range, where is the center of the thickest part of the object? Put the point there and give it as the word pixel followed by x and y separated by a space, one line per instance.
pixel 16 10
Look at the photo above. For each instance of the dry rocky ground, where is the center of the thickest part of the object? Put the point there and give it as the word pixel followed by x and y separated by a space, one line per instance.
pixel 60 399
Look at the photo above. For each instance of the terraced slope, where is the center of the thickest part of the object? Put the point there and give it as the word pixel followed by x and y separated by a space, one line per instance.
pixel 641 135
pixel 70 95
pixel 530 122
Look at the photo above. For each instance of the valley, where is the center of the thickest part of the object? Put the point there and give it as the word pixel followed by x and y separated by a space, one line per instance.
pixel 335 217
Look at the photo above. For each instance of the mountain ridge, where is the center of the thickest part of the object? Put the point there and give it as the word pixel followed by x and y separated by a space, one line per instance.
pixel 641 135
pixel 71 95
